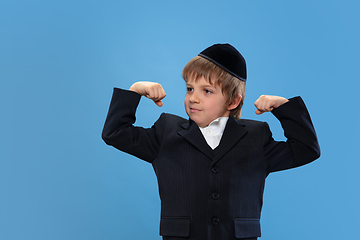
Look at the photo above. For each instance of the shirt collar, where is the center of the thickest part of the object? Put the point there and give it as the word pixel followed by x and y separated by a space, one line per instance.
pixel 217 126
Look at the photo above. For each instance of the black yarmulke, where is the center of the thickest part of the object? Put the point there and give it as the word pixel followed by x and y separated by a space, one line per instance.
pixel 228 58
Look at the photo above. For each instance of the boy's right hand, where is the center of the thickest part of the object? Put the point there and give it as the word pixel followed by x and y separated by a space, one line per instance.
pixel 151 90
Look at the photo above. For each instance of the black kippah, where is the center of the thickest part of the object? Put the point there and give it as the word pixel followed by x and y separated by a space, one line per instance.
pixel 228 58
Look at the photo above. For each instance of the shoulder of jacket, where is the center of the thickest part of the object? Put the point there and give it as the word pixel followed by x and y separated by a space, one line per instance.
pixel 173 119
pixel 250 122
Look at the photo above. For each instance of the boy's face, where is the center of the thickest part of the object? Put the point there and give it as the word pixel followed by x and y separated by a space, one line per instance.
pixel 205 102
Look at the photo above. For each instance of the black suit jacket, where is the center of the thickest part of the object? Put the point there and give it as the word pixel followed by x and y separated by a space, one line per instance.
pixel 211 194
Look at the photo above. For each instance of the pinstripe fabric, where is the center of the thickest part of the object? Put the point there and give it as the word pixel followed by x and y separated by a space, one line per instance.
pixel 211 194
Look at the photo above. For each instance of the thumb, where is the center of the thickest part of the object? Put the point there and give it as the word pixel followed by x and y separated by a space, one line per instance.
pixel 258 112
pixel 159 103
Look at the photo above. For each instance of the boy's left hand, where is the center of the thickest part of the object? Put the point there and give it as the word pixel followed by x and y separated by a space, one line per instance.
pixel 267 103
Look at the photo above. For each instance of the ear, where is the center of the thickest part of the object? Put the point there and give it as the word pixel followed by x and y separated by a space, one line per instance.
pixel 234 102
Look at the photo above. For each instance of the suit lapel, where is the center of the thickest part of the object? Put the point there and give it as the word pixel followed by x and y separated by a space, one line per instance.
pixel 233 132
pixel 192 133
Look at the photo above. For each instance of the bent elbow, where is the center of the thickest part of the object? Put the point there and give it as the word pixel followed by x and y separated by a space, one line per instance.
pixel 318 154
pixel 106 138
pixel 315 150
pixel 314 154
pixel 306 155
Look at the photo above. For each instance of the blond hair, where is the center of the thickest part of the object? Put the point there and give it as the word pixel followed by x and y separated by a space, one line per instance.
pixel 230 86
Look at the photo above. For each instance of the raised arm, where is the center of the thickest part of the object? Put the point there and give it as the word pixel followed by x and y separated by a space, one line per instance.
pixel 302 146
pixel 120 133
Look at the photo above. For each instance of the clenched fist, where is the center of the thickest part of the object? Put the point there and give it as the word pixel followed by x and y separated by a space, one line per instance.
pixel 151 90
pixel 266 103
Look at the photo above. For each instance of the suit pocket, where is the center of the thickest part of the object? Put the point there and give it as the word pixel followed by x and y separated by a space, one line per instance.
pixel 247 228
pixel 175 227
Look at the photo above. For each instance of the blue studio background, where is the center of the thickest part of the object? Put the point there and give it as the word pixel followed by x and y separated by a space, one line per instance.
pixel 59 61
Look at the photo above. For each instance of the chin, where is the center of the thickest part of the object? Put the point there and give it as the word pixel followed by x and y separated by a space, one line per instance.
pixel 201 124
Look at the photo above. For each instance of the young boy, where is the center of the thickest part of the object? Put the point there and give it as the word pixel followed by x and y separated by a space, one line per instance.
pixel 211 169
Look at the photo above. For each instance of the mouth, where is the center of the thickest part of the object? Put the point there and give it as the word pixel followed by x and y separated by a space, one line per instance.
pixel 194 110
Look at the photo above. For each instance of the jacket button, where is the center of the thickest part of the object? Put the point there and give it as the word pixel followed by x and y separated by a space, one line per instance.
pixel 215 221
pixel 215 195
pixel 215 170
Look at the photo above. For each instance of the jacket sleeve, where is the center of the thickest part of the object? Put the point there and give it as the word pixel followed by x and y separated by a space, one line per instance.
pixel 301 147
pixel 120 133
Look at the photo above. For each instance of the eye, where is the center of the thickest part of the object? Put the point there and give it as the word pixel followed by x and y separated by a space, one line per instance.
pixel 207 91
pixel 189 89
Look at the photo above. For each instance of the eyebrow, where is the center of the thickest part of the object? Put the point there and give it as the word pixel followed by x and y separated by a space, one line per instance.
pixel 204 85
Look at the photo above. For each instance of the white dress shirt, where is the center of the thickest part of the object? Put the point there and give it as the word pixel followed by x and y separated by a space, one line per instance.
pixel 214 131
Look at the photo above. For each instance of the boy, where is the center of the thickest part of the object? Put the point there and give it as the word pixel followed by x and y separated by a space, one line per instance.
pixel 211 169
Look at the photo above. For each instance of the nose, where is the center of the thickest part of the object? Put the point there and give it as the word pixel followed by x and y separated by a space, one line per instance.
pixel 194 98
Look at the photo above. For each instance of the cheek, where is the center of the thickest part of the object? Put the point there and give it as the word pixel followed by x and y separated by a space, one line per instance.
pixel 216 106
pixel 211 104
pixel 186 101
